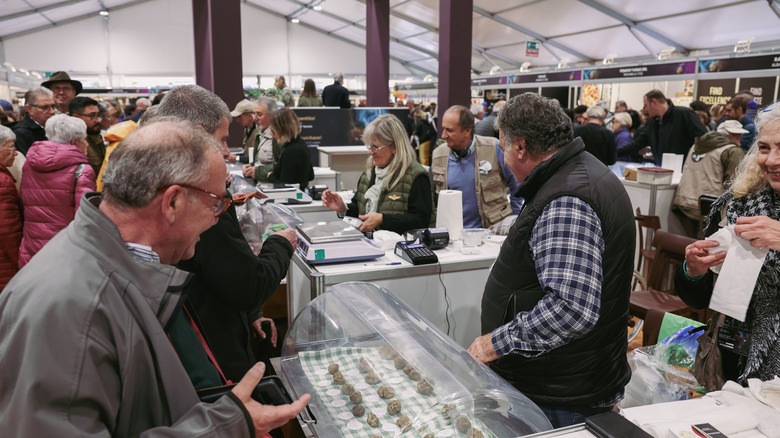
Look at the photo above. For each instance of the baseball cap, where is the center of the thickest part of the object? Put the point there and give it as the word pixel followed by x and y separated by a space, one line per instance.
pixel 242 107
pixel 6 105
pixel 731 127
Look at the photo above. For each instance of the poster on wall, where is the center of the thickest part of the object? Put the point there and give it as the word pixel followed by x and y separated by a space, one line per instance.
pixel 716 91
pixel 590 94
pixel 762 88
pixel 575 75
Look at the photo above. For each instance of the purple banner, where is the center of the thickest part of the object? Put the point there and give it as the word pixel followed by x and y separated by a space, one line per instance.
pixel 560 76
pixel 673 68
pixel 767 62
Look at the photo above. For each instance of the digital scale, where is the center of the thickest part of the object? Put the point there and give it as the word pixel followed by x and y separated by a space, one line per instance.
pixel 334 242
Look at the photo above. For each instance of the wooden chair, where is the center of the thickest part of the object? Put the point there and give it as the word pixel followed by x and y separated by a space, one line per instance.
pixel 660 295
pixel 647 226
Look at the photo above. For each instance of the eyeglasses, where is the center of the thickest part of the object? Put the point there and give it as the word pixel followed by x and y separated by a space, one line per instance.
pixel 223 202
pixel 44 107
pixel 372 148
pixel 66 88
pixel 91 116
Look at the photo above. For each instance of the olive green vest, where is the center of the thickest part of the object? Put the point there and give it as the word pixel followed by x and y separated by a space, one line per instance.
pixel 395 201
pixel 491 188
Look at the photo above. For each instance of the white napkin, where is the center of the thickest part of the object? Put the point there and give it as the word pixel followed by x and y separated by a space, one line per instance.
pixel 738 274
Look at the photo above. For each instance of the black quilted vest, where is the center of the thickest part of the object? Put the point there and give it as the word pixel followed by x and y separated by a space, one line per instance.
pixel 592 368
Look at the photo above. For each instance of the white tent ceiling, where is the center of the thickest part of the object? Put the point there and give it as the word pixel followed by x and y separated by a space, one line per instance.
pixel 574 32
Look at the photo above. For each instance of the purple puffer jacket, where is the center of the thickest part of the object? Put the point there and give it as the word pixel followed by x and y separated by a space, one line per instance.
pixel 50 192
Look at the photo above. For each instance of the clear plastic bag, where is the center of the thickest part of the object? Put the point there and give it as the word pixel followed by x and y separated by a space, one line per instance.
pixel 261 220
pixel 654 379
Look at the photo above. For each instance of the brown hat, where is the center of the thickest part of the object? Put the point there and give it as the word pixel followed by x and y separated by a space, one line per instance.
pixel 61 76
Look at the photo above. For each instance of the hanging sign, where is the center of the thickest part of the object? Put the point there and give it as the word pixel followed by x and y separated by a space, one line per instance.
pixel 532 49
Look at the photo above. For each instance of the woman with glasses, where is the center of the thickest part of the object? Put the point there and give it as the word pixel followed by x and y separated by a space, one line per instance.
pixel 294 165
pixel 752 206
pixel 394 192
pixel 11 218
pixel 54 178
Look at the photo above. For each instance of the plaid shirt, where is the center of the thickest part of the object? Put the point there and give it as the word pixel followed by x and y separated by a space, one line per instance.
pixel 567 245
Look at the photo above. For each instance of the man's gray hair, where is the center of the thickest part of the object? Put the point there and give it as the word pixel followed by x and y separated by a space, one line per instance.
pixel 270 103
pixel 155 156
pixel 33 94
pixel 64 129
pixel 538 120
pixel 596 112
pixel 6 134
pixel 339 77
pixel 195 104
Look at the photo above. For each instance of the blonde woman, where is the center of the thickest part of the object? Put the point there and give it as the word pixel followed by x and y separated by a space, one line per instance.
pixel 752 204
pixel 394 192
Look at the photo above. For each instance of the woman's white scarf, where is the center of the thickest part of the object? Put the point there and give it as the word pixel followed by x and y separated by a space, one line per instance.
pixel 373 192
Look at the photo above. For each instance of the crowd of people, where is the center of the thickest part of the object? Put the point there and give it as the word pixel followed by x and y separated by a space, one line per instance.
pixel 128 216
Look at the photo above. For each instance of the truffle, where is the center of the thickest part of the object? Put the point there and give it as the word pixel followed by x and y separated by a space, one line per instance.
pixel 424 388
pixel 399 363
pixel 385 392
pixel 347 389
pixel 338 378
pixel 404 423
pixel 364 366
pixel 372 378
pixel 474 433
pixel 447 408
pixel 428 435
pixel 387 353
pixel 332 368
pixel 411 373
pixel 462 423
pixel 372 420
pixel 394 407
pixel 356 397
pixel 358 410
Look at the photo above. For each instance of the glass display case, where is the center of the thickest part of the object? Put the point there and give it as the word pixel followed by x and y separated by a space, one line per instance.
pixel 376 368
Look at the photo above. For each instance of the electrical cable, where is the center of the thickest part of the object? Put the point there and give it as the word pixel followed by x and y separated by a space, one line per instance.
pixel 446 301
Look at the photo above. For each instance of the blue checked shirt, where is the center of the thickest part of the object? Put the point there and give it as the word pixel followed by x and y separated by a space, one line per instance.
pixel 567 246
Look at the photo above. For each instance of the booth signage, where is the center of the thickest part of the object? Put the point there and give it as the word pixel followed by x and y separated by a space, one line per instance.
pixel 762 88
pixel 496 80
pixel 639 71
pixel 716 91
pixel 766 62
pixel 532 49
pixel 560 76
pixel 418 86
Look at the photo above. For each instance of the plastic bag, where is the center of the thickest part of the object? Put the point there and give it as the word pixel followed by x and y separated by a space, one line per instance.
pixel 261 220
pixel 654 380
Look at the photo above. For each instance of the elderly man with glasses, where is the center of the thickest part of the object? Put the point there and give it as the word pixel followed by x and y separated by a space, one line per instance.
pixel 88 110
pixel 39 104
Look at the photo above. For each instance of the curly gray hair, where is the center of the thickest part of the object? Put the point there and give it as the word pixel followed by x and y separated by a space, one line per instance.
pixel 538 120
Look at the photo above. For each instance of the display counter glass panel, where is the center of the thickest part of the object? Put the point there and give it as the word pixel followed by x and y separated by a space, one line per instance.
pixel 375 367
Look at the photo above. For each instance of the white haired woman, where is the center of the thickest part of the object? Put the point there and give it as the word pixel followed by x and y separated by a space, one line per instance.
pixel 394 192
pixel 54 178
pixel 752 204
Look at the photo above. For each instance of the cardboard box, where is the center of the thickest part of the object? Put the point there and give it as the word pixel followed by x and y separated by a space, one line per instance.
pixel 654 175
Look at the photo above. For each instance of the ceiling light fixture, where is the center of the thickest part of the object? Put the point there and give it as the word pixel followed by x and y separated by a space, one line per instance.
pixel 524 67
pixel 104 13
pixel 743 45
pixel 563 63
pixel 295 21
pixel 317 8
pixel 609 59
pixel 666 53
